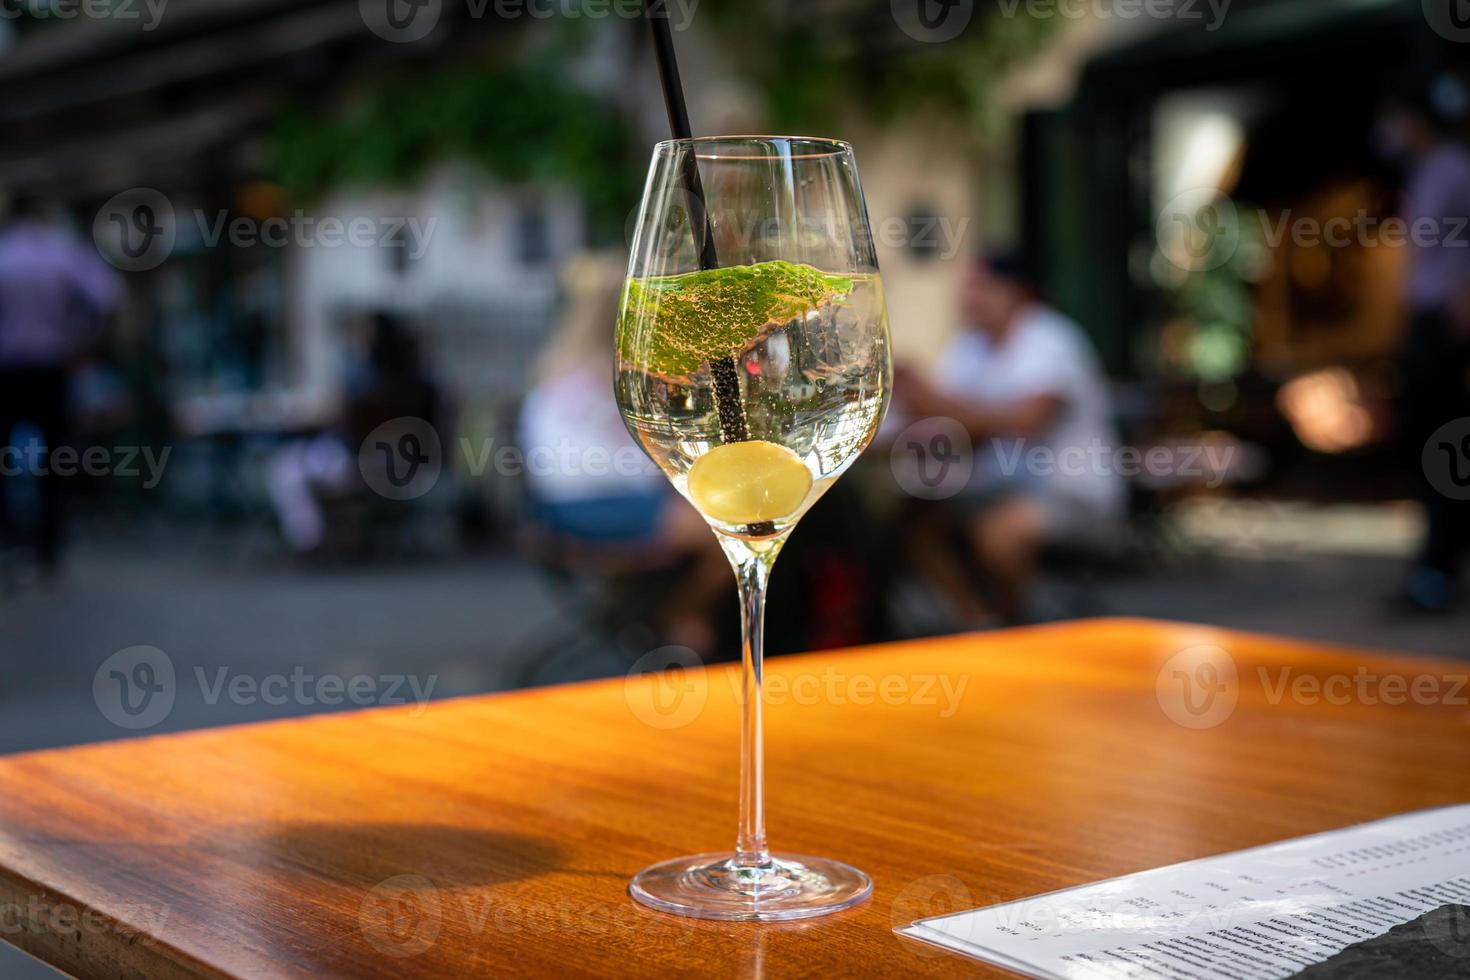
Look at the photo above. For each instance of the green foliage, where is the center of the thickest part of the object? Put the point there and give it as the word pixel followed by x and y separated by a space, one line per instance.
pixel 524 121
pixel 517 123
pixel 1216 297
pixel 810 58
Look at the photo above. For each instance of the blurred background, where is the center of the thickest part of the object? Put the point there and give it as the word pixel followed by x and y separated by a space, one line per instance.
pixel 306 312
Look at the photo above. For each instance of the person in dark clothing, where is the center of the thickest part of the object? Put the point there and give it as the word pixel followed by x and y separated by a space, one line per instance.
pixel 54 290
pixel 1434 359
pixel 388 381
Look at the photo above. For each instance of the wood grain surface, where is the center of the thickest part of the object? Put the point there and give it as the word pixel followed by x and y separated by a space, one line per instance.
pixel 495 836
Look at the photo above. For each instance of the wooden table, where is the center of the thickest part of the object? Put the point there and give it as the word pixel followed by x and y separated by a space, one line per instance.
pixel 494 836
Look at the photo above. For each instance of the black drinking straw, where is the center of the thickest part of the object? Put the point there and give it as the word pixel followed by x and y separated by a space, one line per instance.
pixel 726 376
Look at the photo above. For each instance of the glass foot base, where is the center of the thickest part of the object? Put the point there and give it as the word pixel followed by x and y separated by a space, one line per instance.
pixel 712 886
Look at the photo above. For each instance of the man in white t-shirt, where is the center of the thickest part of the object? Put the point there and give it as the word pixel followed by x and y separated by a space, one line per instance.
pixel 1026 384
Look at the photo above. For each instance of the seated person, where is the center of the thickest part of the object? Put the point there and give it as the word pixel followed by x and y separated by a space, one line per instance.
pixel 1026 384
pixel 388 382
pixel 589 482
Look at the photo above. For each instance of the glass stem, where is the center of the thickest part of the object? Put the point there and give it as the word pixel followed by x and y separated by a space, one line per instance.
pixel 752 562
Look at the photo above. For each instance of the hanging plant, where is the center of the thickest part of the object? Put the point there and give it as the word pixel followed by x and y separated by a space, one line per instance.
pixel 812 61
pixel 514 122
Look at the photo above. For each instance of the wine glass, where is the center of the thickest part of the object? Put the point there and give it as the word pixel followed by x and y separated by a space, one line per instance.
pixel 753 365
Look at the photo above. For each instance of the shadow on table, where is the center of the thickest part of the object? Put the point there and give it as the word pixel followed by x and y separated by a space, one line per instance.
pixel 354 853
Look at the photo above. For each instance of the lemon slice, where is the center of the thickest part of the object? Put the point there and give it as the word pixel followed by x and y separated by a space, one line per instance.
pixel 749 482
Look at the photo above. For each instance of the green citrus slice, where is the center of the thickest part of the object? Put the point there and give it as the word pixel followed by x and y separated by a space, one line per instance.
pixel 701 317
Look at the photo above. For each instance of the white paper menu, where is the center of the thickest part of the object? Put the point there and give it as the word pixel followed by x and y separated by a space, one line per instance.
pixel 1258 914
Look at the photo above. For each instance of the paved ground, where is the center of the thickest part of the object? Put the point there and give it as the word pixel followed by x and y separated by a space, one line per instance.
pixel 219 608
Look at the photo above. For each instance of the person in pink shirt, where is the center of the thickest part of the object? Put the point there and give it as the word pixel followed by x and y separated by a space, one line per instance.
pixel 54 292
pixel 1434 358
